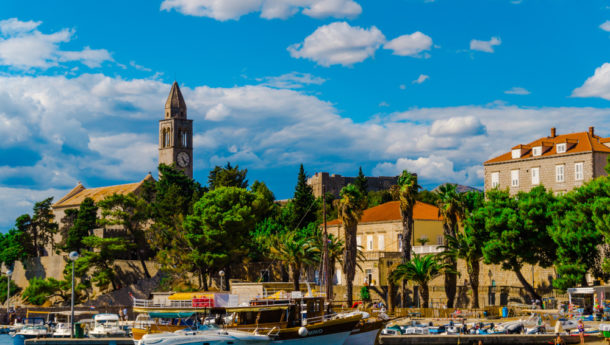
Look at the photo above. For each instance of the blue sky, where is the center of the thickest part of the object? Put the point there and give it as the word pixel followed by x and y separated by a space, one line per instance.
pixel 436 87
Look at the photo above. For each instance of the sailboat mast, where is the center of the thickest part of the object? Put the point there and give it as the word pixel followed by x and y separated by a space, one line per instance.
pixel 325 264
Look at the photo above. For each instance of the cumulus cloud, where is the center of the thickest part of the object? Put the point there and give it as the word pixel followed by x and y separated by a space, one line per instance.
pixel 410 45
pixel 485 46
pixel 422 78
pixel 18 201
pixel 605 25
pixel 517 91
pixel 339 44
pixel 436 168
pixel 22 46
pixel 292 80
pixel 598 85
pixel 269 9
pixel 457 126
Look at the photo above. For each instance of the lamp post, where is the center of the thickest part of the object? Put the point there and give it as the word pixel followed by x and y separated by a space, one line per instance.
pixel 490 275
pixel 72 256
pixel 221 273
pixel 8 290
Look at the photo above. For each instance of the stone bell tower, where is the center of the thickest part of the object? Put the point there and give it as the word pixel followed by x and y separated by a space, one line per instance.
pixel 176 133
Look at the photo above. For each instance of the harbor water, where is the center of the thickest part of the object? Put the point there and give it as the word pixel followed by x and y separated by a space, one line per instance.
pixel 6 339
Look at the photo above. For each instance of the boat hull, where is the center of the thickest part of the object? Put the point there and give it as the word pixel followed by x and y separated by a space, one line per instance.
pixel 138 333
pixel 207 337
pixel 362 338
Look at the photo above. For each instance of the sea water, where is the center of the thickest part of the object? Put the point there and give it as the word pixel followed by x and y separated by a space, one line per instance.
pixel 6 339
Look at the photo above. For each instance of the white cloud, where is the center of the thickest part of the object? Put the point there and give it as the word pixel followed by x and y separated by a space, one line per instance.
pixel 422 78
pixel 410 45
pixel 485 46
pixel 269 9
pixel 24 47
pixel 218 112
pixel 517 91
pixel 338 44
pixel 435 168
pixel 605 25
pixel 292 80
pixel 384 104
pixel 457 126
pixel 17 201
pixel 597 85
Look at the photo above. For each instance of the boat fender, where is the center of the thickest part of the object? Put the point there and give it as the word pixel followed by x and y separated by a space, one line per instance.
pixel 303 332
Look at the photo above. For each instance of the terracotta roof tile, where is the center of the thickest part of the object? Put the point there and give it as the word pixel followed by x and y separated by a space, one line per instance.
pixel 390 211
pixel 581 142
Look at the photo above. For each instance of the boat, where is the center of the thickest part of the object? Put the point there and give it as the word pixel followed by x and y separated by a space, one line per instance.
pixel 33 328
pixel 160 322
pixel 62 330
pixel 367 330
pixel 209 335
pixel 106 325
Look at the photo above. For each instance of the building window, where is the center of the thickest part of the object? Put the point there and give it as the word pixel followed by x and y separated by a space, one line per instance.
pixel 381 242
pixel 359 241
pixel 561 148
pixel 537 151
pixel 516 153
pixel 166 137
pixel 559 173
pixel 369 242
pixel 439 240
pixel 368 276
pixel 578 171
pixel 535 176
pixel 338 276
pixel 399 242
pixel 184 139
pixel 514 178
pixel 495 179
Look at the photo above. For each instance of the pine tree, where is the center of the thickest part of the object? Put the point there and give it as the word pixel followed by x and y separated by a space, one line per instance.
pixel 84 224
pixel 304 203
pixel 361 182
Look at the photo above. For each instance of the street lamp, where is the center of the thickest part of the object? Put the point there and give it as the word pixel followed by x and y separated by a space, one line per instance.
pixel 8 290
pixel 221 273
pixel 72 256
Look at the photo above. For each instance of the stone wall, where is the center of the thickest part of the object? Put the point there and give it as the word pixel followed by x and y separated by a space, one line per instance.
pixel 335 182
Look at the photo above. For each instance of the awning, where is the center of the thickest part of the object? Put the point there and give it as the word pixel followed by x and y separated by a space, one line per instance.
pixel 581 291
pixel 187 296
pixel 169 315
pixel 256 309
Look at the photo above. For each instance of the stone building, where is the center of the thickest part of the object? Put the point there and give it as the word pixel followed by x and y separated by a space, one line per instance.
pixel 380 235
pixel 335 182
pixel 559 162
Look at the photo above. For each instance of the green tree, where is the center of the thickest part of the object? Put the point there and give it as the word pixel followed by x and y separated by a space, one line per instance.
pixel 132 213
pixel 100 259
pixel 40 290
pixel 379 197
pixel 14 246
pixel 351 206
pixel 427 197
pixel 421 270
pixel 40 227
pixel 361 182
pixel 451 209
pixel 227 176
pixel 84 223
pixel 14 289
pixel 218 231
pixel 66 223
pixel 294 250
pixel 303 207
pixel 518 233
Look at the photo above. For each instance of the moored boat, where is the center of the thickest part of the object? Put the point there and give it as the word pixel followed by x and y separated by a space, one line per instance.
pixel 208 335
pixel 106 325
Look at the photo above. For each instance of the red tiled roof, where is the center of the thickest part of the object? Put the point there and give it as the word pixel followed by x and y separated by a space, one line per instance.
pixel 582 142
pixel 390 211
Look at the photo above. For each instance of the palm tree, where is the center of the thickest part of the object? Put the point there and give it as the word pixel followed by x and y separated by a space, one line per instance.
pixel 406 193
pixel 450 209
pixel 294 250
pixel 421 270
pixel 336 247
pixel 351 205
pixel 468 247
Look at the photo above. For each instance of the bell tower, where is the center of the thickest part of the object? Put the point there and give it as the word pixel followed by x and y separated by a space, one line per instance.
pixel 176 133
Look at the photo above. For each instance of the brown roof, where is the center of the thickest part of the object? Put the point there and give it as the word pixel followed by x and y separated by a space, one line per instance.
pixel 581 142
pixel 79 193
pixel 175 99
pixel 390 211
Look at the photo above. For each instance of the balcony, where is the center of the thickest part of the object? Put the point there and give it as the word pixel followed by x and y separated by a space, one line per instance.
pixel 431 249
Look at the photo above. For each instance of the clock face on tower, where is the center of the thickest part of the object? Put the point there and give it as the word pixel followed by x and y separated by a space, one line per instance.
pixel 183 159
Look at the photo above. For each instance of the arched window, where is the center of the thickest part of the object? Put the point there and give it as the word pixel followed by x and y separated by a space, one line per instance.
pixel 184 139
pixel 166 138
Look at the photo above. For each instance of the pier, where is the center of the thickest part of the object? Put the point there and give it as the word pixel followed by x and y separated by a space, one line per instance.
pixel 80 341
pixel 488 339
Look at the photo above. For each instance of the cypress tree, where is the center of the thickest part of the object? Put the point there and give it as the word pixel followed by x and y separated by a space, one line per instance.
pixel 361 183
pixel 305 205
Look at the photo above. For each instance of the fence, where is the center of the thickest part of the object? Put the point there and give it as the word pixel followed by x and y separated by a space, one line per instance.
pixel 442 313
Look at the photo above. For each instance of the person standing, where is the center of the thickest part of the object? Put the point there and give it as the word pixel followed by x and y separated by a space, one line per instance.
pixel 581 331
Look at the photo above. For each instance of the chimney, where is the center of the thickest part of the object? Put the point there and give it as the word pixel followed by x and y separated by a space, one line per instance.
pixel 592 131
pixel 553 132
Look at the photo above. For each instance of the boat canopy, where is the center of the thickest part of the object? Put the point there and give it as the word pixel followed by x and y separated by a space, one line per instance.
pixel 187 296
pixel 170 315
pixel 582 291
pixel 255 308
pixel 106 317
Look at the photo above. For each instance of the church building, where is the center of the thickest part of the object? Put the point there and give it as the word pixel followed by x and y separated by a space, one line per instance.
pixel 175 147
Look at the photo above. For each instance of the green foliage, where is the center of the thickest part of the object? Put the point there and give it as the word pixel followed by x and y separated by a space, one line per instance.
pixel 379 197
pixel 406 193
pixel 361 182
pixel 84 223
pixel 218 231
pixel 14 247
pixel 303 207
pixel 227 176
pixel 421 270
pixel 37 230
pixel 100 258
pixel 365 295
pixel 41 290
pixel 295 250
pixel 427 197
pixel 14 289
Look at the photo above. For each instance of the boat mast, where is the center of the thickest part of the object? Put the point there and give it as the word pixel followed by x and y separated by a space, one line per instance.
pixel 325 263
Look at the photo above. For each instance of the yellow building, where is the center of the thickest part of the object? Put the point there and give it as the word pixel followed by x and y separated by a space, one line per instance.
pixel 380 236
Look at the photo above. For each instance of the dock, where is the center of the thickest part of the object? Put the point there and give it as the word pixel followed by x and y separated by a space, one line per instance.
pixel 489 339
pixel 80 341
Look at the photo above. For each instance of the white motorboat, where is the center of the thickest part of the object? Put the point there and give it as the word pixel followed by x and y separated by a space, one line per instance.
pixel 33 331
pixel 62 330
pixel 211 336
pixel 106 325
pixel 367 330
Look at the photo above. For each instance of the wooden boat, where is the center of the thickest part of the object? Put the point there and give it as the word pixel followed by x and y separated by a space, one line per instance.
pixel 151 323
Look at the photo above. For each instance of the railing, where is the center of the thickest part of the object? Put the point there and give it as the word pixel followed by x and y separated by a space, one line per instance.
pixel 148 303
pixel 427 249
